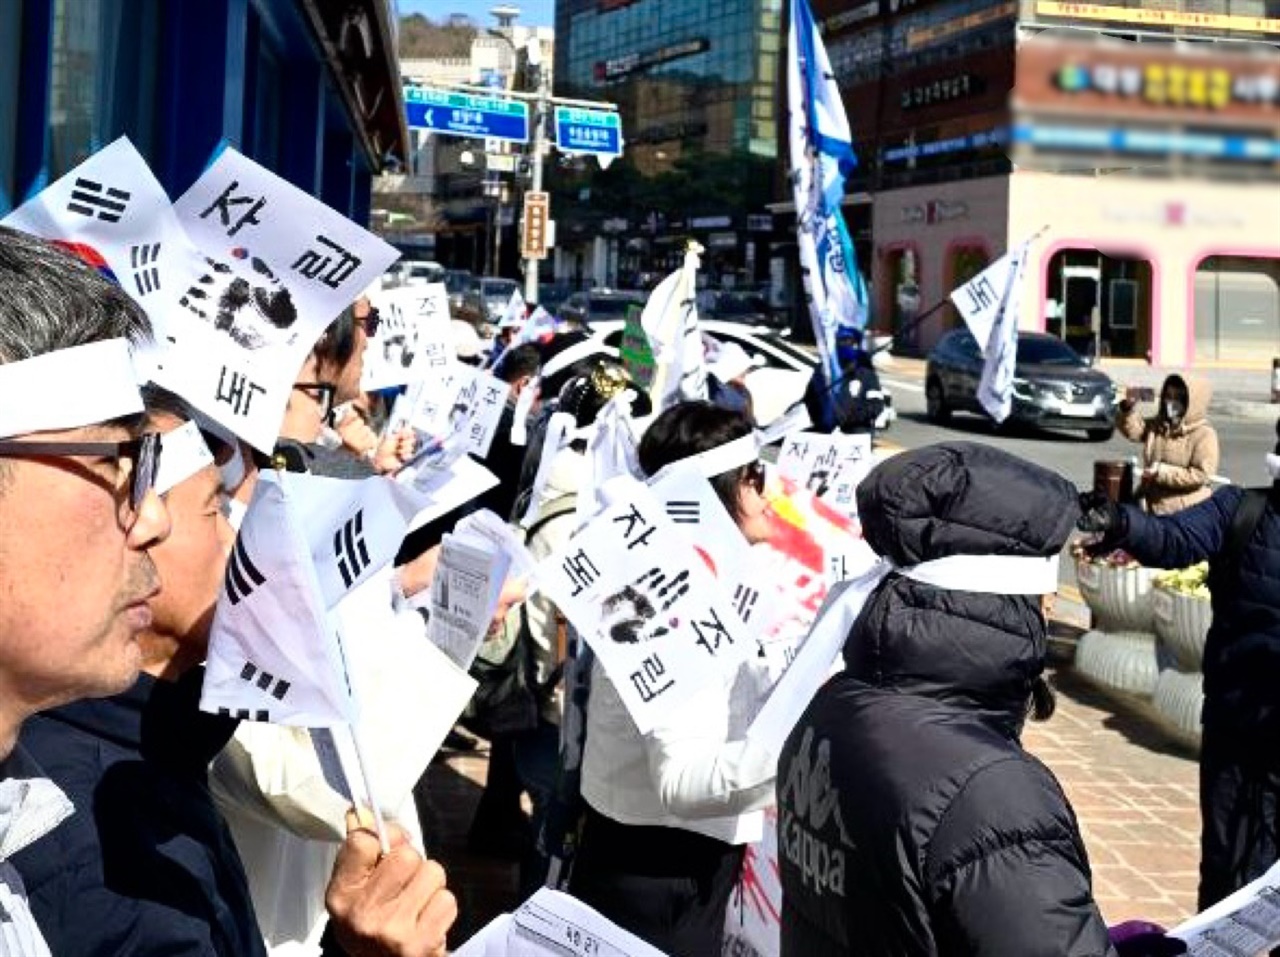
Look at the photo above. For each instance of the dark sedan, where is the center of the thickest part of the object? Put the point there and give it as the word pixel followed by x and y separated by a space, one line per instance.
pixel 1053 386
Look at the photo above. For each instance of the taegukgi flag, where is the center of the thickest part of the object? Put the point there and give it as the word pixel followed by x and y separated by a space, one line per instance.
pixel 989 304
pixel 274 654
pixel 822 157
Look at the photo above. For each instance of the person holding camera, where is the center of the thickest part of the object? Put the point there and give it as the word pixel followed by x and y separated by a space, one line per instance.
pixel 1179 446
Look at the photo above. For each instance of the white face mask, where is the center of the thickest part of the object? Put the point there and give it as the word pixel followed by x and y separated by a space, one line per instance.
pixel 1173 411
pixel 1273 466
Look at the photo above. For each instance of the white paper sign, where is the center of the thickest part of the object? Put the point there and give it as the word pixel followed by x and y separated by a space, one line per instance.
pixel 646 603
pixel 280 265
pixel 445 489
pixel 273 653
pixel 464 401
pixel 413 340
pixel 829 466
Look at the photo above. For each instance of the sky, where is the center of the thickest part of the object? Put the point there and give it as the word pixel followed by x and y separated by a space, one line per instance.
pixel 533 13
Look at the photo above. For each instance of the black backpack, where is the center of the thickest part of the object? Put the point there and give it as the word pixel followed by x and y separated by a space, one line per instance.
pixel 509 697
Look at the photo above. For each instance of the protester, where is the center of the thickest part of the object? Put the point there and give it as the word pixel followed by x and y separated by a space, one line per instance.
pixel 911 821
pixel 152 868
pixel 1238 533
pixel 1179 446
pixel 86 516
pixel 519 369
pixel 331 376
pixel 661 839
pixel 727 379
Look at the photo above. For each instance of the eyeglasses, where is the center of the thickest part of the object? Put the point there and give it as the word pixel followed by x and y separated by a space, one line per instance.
pixel 137 460
pixel 321 392
pixel 370 321
pixel 754 475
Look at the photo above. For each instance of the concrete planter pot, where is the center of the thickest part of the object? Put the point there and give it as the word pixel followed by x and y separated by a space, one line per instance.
pixel 1120 598
pixel 1123 661
pixel 1179 698
pixel 1182 623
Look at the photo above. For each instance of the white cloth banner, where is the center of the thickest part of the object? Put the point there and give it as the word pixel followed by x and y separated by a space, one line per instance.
pixel 69 388
pixel 644 600
pixel 989 304
pixel 280 267
pixel 274 654
pixel 670 323
pixel 414 340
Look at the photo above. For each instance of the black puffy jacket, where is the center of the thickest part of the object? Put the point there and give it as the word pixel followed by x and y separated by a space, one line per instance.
pixel 911 821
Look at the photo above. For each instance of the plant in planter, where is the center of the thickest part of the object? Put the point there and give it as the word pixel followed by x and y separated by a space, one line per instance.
pixel 1182 613
pixel 1117 590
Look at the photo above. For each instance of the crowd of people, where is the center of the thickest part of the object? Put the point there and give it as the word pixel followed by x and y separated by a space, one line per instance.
pixel 911 820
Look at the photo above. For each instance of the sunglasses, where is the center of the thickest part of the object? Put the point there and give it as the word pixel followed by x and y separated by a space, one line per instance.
pixel 370 321
pixel 137 460
pixel 754 475
pixel 321 392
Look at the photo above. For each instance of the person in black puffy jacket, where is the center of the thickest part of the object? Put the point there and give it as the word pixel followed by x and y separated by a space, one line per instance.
pixel 1240 740
pixel 911 820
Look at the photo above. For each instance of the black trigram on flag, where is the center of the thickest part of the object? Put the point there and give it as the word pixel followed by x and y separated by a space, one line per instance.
pixel 242 575
pixel 89 199
pixel 349 549
pixel 244 714
pixel 744 601
pixel 684 511
pixel 144 260
pixel 276 687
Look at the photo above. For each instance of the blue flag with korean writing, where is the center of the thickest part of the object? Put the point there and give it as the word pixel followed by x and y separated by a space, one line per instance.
pixel 822 157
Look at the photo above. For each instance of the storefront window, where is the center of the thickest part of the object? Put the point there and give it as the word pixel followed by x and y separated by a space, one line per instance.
pixel 1237 308
pixel 1101 305
pixel 92 100
pixel 10 31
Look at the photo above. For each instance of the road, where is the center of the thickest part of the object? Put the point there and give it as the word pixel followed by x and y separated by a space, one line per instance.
pixel 1244 443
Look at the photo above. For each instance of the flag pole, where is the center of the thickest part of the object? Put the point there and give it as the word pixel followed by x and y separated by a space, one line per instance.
pixel 379 824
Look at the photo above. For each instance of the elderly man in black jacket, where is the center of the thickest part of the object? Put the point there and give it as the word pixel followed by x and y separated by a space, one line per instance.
pixel 1238 532
pixel 911 821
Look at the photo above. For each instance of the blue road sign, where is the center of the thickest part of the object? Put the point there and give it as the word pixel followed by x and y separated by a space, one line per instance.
pixel 467 114
pixel 588 131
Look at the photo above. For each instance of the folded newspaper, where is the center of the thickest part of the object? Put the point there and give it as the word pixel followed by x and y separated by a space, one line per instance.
pixel 552 924
pixel 1246 924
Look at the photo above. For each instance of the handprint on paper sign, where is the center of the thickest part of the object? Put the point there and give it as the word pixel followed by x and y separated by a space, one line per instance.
pixel 254 316
pixel 630 615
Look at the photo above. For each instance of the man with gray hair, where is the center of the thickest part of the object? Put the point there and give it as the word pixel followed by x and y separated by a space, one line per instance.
pixel 78 517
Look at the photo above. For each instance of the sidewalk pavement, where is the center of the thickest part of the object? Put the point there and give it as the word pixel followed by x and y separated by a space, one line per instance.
pixel 1134 790
pixel 1240 391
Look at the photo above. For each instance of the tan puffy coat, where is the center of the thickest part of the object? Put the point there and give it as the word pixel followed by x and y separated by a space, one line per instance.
pixel 1184 456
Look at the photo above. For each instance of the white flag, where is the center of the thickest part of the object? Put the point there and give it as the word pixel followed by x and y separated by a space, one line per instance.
pixel 989 304
pixel 670 323
pixel 273 652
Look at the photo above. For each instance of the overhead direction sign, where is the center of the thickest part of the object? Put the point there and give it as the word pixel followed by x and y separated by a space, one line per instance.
pixel 588 131
pixel 466 114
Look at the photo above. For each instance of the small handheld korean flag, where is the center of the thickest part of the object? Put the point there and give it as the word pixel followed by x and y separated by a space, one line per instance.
pixel 273 653
pixel 352 528
pixel 989 304
pixel 113 213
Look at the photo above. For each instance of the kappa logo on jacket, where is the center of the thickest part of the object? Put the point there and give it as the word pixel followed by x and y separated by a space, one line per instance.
pixel 811 831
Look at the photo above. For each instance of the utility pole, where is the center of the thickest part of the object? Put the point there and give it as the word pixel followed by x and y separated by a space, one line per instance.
pixel 541 108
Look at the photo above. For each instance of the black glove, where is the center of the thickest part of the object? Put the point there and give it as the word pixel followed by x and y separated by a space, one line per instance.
pixel 1137 938
pixel 1104 519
